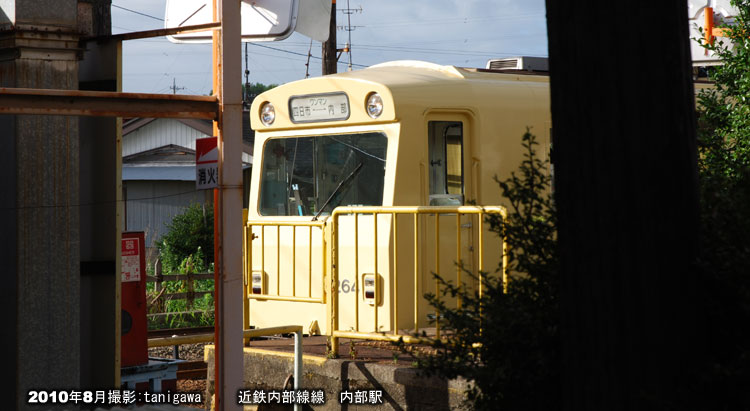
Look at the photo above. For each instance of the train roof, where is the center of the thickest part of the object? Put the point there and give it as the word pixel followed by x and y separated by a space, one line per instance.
pixel 410 73
pixel 403 85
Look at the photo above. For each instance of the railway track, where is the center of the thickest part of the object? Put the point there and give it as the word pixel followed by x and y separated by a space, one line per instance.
pixel 187 370
pixel 192 370
pixel 179 331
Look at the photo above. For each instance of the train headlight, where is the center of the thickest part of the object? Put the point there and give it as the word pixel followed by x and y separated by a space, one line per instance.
pixel 374 105
pixel 267 114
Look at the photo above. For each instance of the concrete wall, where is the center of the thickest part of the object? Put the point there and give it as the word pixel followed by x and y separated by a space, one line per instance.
pixel 51 172
pixel 41 222
pixel 59 13
pixel 99 229
pixel 402 387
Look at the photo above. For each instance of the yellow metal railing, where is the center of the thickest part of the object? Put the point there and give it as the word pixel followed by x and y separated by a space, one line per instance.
pixel 294 225
pixel 415 212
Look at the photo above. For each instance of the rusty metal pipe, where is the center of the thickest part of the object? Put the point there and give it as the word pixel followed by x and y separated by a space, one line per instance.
pixel 106 104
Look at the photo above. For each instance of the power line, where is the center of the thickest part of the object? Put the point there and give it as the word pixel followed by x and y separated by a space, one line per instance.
pixel 454 20
pixel 137 12
pixel 297 54
pixel 95 203
pixel 436 51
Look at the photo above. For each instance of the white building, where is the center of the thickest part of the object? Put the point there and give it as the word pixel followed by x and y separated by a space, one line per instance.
pixel 158 171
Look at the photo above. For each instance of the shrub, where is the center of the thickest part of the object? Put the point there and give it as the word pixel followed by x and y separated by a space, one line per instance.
pixel 724 175
pixel 189 241
pixel 512 354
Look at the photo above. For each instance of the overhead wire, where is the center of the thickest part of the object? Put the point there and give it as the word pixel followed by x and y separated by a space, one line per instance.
pixel 296 53
pixel 94 203
pixel 396 23
pixel 453 20
pixel 383 48
pixel 137 12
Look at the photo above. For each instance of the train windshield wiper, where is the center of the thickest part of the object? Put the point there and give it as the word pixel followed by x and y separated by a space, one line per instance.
pixel 343 182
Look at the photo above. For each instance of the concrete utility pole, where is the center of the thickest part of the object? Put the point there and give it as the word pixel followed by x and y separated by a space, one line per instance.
pixel 229 351
pixel 174 87
pixel 329 47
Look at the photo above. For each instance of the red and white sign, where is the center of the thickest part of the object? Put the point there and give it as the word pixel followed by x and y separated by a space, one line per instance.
pixel 206 163
pixel 134 340
pixel 131 260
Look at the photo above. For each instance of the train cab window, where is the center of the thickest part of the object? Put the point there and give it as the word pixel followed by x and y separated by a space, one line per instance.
pixel 445 146
pixel 299 176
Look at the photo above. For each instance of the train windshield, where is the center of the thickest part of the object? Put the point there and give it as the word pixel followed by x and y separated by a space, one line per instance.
pixel 305 176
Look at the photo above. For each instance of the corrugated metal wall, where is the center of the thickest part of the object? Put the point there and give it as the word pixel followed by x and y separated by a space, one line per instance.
pixel 160 133
pixel 150 205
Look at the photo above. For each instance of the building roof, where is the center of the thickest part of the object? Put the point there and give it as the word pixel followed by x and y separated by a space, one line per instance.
pixel 170 162
pixel 203 126
pixel 170 154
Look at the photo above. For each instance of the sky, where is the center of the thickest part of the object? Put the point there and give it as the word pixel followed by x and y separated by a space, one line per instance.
pixel 463 33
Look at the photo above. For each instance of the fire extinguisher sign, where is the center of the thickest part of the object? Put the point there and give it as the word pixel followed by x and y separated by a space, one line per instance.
pixel 206 163
pixel 131 260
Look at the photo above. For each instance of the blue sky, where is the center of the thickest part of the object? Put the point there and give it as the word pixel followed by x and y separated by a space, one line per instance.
pixel 459 32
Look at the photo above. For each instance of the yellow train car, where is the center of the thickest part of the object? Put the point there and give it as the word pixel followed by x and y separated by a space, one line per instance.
pixel 367 182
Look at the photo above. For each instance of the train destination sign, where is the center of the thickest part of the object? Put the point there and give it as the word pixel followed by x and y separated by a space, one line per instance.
pixel 319 107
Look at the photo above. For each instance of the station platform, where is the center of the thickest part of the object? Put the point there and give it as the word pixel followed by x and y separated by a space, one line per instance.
pixel 369 366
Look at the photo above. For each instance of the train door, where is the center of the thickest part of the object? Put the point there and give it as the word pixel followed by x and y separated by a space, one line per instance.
pixel 448 146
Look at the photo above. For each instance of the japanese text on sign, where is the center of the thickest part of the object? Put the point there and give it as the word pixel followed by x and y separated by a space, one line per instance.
pixel 131 261
pixel 206 163
pixel 319 107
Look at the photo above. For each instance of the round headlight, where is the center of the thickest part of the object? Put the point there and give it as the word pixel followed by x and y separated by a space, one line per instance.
pixel 267 113
pixel 374 105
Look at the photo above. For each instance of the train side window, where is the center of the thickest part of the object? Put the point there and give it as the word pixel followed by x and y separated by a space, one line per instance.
pixel 445 146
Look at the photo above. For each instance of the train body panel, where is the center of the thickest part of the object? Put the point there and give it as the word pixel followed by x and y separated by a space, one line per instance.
pixel 442 136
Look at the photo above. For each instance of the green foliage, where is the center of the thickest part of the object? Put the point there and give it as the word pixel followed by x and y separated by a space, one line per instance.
pixel 256 88
pixel 724 110
pixel 186 248
pixel 511 351
pixel 724 172
pixel 199 314
pixel 189 243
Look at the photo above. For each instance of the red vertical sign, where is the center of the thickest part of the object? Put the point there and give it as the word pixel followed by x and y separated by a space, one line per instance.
pixel 206 163
pixel 134 338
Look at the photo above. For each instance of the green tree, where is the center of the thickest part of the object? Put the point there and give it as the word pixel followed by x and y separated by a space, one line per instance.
pixel 724 172
pixel 256 88
pixel 511 355
pixel 724 109
pixel 190 234
pixel 253 90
